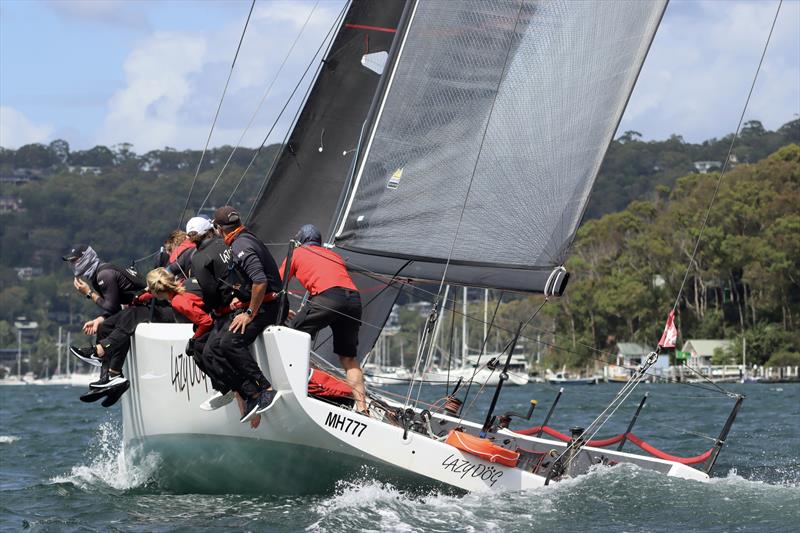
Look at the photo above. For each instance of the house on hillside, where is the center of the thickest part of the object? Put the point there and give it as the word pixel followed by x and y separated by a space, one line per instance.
pixel 10 204
pixel 704 166
pixel 702 350
pixel 631 353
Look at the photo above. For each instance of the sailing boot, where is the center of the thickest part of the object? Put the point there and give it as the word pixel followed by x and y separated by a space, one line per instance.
pixel 87 354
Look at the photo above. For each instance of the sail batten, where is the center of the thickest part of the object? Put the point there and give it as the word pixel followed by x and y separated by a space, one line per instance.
pixel 504 109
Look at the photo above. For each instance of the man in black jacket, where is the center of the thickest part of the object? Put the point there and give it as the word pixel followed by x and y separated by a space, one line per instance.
pixel 259 290
pixel 110 288
pixel 213 270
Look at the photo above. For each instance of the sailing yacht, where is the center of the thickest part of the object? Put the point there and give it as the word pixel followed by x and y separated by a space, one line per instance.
pixel 462 140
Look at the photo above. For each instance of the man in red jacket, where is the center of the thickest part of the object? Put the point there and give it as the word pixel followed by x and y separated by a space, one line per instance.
pixel 334 302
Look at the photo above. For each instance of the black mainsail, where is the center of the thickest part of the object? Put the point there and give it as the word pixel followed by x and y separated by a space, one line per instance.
pixel 312 170
pixel 489 136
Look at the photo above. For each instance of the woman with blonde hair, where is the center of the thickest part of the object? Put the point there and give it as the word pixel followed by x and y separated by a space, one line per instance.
pixel 186 299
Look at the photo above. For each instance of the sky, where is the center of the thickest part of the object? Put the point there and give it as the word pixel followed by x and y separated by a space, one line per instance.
pixel 151 72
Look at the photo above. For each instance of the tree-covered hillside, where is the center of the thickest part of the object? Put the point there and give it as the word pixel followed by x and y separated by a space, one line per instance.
pixel 627 261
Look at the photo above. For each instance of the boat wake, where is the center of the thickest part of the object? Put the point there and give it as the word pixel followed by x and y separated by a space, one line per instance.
pixel 108 466
pixel 606 494
pixel 8 439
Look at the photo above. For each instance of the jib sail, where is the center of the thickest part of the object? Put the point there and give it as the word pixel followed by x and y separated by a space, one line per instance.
pixel 487 141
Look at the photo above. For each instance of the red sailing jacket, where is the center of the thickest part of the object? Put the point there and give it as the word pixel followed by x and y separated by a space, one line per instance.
pixel 182 247
pixel 318 269
pixel 191 306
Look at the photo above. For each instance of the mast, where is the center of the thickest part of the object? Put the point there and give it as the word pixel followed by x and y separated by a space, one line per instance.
pixel 19 354
pixel 464 348
pixel 59 345
pixel 69 334
pixel 311 172
pixel 436 330
pixel 485 314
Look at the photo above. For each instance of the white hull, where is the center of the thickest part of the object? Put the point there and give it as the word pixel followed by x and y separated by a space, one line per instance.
pixel 376 376
pixel 303 444
pixel 484 376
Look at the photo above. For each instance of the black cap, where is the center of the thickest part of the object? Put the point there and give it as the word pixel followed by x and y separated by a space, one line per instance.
pixel 226 216
pixel 75 252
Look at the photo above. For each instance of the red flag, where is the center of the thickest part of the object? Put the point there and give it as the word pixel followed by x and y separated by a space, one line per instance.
pixel 670 335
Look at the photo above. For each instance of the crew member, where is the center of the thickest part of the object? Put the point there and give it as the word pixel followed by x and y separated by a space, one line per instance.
pixel 214 272
pixel 181 249
pixel 109 287
pixel 334 302
pixel 186 299
pixel 259 288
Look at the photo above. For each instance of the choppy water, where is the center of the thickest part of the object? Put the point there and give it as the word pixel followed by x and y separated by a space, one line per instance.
pixel 61 469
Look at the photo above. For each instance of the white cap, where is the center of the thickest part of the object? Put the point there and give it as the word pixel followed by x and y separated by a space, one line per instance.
pixel 198 225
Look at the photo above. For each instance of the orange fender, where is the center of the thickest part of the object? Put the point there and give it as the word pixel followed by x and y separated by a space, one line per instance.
pixel 483 448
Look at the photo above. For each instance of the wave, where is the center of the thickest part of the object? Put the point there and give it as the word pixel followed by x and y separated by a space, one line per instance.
pixel 604 498
pixel 109 465
pixel 8 439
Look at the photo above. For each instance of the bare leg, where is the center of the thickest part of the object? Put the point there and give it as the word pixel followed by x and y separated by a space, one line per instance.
pixel 355 378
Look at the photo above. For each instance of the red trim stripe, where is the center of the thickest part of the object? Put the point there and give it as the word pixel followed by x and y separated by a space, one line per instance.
pixel 372 28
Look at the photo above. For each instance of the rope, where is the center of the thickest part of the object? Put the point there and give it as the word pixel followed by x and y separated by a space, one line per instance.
pixel 258 108
pixel 216 115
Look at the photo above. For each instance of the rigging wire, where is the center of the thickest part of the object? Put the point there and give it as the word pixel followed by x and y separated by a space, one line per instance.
pixel 598 423
pixel 727 159
pixel 216 115
pixel 258 107
pixel 336 22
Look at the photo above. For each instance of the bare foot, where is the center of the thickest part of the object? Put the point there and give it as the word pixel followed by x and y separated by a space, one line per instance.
pixel 241 403
pixel 255 422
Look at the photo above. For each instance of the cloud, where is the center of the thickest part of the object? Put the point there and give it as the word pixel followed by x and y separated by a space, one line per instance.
pixel 109 12
pixel 16 129
pixel 697 75
pixel 173 81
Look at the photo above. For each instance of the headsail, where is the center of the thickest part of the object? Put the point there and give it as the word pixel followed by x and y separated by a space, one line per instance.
pixel 312 170
pixel 502 110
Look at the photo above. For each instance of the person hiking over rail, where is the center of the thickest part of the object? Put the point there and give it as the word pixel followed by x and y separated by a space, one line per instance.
pixel 110 288
pixel 233 334
pixel 334 302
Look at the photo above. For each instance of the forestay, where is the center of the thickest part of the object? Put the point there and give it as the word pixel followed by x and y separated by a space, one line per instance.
pixel 501 108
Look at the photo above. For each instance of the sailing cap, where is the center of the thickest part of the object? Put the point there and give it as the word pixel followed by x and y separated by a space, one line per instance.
pixel 75 252
pixel 227 216
pixel 199 225
pixel 309 234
